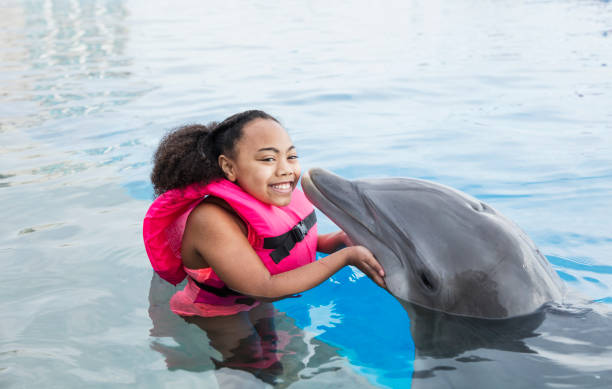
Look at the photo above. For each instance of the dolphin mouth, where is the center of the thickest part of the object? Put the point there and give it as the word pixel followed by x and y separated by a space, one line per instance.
pixel 316 195
pixel 336 203
pixel 341 200
pixel 322 199
pixel 342 203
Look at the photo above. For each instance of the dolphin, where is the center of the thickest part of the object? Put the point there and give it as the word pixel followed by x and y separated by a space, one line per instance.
pixel 441 249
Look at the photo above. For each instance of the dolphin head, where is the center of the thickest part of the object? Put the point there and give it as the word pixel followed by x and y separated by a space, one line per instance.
pixel 441 249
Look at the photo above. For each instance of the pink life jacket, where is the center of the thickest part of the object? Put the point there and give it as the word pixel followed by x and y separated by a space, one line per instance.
pixel 283 237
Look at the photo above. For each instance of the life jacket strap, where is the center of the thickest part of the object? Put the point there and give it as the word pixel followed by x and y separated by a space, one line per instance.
pixel 224 292
pixel 283 244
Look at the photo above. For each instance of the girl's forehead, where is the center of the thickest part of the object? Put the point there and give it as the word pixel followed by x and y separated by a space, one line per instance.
pixel 265 133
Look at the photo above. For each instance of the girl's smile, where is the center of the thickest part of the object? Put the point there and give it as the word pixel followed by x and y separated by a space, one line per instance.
pixel 285 187
pixel 265 163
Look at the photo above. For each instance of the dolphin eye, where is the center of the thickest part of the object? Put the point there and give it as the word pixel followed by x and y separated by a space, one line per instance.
pixel 427 282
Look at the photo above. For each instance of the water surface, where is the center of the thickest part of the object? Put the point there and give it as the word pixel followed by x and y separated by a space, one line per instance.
pixel 508 101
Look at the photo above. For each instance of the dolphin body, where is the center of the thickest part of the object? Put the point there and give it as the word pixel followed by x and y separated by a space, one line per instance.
pixel 441 249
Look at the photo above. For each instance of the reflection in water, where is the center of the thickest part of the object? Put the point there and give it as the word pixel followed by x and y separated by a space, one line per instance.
pixel 442 335
pixel 272 349
pixel 54 48
pixel 537 350
pixel 247 341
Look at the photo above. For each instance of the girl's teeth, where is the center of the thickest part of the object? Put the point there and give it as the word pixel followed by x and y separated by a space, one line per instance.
pixel 281 186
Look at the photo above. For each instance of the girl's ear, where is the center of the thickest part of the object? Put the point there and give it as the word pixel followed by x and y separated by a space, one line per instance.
pixel 228 168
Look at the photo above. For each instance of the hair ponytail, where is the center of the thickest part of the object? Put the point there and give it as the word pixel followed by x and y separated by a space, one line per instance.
pixel 180 159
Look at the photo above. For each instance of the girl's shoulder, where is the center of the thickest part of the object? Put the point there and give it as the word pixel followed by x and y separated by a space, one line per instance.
pixel 209 223
pixel 215 213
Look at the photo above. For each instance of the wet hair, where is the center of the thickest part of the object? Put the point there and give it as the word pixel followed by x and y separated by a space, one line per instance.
pixel 190 153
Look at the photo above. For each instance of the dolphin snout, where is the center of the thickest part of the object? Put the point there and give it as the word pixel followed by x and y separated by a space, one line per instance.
pixel 335 189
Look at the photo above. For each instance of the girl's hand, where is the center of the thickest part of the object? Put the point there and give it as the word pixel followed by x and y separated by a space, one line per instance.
pixel 332 242
pixel 344 240
pixel 364 260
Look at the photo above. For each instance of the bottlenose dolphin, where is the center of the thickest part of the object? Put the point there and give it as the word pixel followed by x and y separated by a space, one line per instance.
pixel 441 249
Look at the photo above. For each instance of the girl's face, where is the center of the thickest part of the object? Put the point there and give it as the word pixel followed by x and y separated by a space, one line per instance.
pixel 266 163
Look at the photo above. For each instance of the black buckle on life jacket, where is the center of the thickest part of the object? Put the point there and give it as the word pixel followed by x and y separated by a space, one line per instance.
pixel 299 231
pixel 283 244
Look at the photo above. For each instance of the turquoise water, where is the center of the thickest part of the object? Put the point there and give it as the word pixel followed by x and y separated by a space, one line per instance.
pixel 508 101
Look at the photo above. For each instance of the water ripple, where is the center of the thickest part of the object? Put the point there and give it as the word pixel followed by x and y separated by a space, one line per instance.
pixel 505 108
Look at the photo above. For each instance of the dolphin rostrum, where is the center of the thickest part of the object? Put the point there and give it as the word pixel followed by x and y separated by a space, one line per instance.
pixel 440 248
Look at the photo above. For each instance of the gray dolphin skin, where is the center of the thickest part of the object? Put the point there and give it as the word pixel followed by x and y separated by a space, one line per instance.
pixel 441 249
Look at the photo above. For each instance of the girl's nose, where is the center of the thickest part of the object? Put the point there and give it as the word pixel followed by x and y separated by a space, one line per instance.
pixel 283 168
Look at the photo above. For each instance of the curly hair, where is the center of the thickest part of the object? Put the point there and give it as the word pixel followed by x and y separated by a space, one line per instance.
pixel 190 153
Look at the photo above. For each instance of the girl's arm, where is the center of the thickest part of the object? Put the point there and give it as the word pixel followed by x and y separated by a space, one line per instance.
pixel 217 237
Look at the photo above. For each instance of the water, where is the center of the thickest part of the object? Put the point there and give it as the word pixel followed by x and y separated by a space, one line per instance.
pixel 506 100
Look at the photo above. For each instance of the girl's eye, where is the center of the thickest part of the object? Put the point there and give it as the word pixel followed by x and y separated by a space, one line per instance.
pixel 293 157
pixel 269 159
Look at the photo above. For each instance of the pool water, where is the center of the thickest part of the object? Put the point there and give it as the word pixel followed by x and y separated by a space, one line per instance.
pixel 508 101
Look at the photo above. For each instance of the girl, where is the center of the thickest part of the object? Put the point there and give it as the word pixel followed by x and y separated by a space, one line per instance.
pixel 228 217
